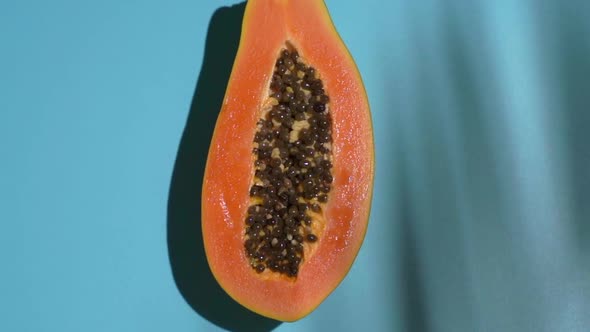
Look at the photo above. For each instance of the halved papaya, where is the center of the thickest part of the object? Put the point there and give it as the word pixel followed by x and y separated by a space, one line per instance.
pixel 289 176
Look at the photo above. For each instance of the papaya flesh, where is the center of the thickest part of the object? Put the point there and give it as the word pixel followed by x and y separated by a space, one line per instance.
pixel 289 177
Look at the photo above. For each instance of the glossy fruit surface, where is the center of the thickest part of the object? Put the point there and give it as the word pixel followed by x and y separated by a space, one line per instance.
pixel 268 26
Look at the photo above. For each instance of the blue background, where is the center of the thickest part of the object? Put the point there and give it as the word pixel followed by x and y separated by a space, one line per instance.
pixel 481 211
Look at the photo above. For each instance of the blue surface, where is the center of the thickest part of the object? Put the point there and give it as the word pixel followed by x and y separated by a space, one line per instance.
pixel 480 219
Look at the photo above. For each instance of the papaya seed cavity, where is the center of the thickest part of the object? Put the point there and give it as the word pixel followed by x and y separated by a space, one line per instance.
pixel 293 168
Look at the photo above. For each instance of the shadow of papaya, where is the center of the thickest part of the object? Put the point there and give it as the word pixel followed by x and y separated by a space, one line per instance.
pixel 185 244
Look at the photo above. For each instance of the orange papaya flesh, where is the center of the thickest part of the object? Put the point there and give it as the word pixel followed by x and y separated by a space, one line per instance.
pixel 283 267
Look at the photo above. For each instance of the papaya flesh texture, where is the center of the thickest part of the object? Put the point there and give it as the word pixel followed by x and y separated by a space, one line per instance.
pixel 289 176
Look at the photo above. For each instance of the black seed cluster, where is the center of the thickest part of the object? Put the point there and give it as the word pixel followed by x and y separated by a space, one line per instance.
pixel 292 168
